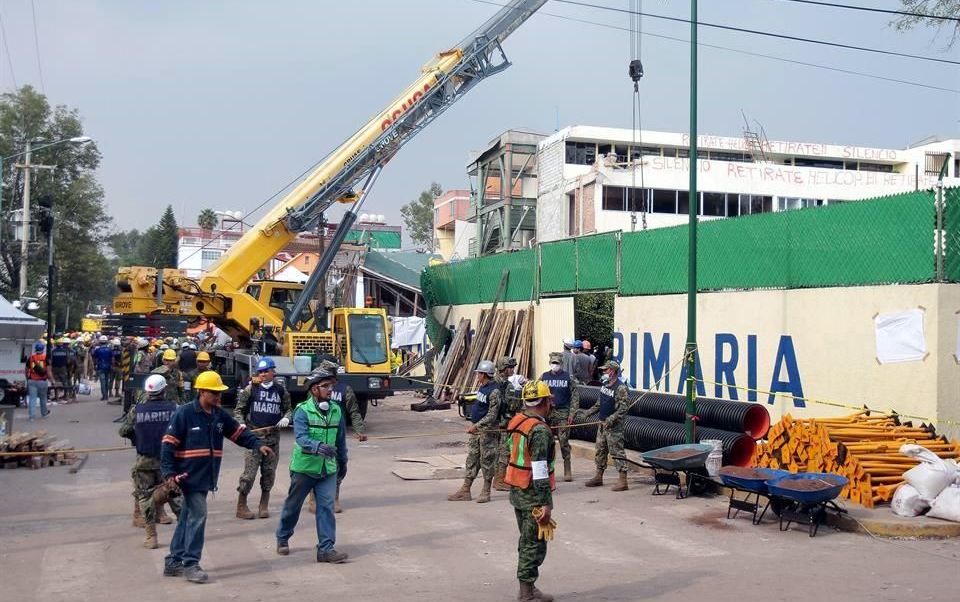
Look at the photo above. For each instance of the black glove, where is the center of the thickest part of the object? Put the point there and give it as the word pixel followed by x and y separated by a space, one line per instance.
pixel 327 451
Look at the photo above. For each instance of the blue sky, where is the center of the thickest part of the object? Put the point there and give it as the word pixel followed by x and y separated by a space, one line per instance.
pixel 219 104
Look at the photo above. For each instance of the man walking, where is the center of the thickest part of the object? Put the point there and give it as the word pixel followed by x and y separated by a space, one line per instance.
pixel 510 404
pixel 566 404
pixel 102 357
pixel 318 459
pixel 484 441
pixel 144 425
pixel 611 409
pixel 344 396
pixel 193 445
pixel 263 405
pixel 169 370
pixel 38 377
pixel 530 473
pixel 59 359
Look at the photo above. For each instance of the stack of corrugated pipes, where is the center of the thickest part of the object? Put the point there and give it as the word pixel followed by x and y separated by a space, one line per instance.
pixel 864 448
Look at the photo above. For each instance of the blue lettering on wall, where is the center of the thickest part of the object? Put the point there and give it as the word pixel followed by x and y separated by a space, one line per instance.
pixel 752 367
pixel 724 368
pixel 632 379
pixel 618 348
pixel 698 375
pixel 656 363
pixel 787 358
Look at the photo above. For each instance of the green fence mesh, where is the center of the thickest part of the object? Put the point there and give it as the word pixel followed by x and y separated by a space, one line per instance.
pixel 888 240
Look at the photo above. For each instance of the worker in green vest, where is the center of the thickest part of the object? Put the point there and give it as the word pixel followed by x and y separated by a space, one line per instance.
pixel 319 458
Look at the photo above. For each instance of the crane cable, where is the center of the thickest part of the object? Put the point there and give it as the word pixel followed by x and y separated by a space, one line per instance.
pixel 636 72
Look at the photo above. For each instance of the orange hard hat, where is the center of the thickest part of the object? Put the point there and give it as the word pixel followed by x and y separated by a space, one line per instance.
pixel 587 345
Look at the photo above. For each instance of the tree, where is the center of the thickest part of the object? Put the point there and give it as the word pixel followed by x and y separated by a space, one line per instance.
pixel 80 220
pixel 938 10
pixel 158 247
pixel 418 216
pixel 207 220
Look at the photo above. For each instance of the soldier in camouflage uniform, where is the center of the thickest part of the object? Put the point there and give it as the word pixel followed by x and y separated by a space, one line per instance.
pixel 169 370
pixel 263 404
pixel 611 409
pixel 512 404
pixel 484 439
pixel 566 404
pixel 144 425
pixel 530 474
pixel 190 376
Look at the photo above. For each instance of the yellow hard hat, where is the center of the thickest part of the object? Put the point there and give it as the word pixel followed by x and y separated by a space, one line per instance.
pixel 169 354
pixel 203 356
pixel 151 348
pixel 534 391
pixel 210 381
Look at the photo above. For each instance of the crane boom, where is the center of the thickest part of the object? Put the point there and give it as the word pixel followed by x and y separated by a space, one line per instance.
pixel 219 294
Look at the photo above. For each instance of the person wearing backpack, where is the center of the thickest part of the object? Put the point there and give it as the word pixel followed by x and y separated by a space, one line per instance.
pixel 38 377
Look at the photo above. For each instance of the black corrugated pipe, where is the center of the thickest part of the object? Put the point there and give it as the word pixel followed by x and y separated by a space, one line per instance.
pixel 750 418
pixel 645 434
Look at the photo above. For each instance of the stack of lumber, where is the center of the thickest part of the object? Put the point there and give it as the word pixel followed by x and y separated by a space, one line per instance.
pixel 502 332
pixel 861 447
pixel 33 443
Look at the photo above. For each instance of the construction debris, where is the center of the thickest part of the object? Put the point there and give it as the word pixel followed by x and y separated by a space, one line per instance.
pixel 861 447
pixel 34 450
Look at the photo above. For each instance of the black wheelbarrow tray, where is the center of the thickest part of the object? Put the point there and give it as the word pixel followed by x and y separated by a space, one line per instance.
pixel 695 456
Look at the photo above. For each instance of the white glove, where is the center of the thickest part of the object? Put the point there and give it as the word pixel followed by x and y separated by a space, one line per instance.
pixel 284 422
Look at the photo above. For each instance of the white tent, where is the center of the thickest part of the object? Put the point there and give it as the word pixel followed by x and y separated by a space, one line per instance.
pixel 14 324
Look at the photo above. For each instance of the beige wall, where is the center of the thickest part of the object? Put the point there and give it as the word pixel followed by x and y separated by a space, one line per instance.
pixel 552 322
pixel 832 334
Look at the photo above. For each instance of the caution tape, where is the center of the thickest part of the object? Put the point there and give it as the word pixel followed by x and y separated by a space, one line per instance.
pixel 835 404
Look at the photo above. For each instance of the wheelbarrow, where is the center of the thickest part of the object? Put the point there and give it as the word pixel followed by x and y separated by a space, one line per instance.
pixel 806 497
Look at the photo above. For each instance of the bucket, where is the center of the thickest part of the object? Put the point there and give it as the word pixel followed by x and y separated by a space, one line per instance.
pixel 301 363
pixel 715 459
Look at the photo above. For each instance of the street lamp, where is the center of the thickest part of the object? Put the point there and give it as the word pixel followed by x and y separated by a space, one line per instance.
pixel 26 198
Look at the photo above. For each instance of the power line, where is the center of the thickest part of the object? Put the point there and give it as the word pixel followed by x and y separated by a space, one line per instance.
pixel 746 52
pixel 36 45
pixel 6 48
pixel 872 9
pixel 768 34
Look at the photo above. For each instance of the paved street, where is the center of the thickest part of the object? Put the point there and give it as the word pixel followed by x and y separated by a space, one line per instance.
pixel 68 537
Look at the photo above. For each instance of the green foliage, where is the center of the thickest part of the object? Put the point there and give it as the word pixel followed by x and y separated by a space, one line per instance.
pixel 81 222
pixel 418 216
pixel 207 220
pixel 935 8
pixel 593 317
pixel 156 247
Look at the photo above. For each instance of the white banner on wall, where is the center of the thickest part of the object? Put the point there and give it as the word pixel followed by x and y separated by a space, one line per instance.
pixel 900 337
pixel 408 331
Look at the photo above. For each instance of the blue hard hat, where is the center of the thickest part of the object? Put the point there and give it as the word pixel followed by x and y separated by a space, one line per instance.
pixel 38 346
pixel 266 364
pixel 578 344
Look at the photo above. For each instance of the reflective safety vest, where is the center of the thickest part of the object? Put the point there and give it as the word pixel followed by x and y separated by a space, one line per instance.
pixel 322 429
pixel 519 469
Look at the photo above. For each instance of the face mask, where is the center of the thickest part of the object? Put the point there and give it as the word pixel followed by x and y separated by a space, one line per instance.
pixel 554 368
pixel 605 378
pixel 266 385
pixel 324 406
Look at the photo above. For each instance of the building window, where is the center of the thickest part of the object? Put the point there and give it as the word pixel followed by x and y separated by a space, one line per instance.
pixel 934 162
pixel 760 204
pixel 714 204
pixel 621 150
pixel 581 153
pixel 683 202
pixel 728 156
pixel 208 258
pixel 818 163
pixel 664 201
pixel 733 200
pixel 786 203
pixel 880 167
pixel 613 198
pixel 638 199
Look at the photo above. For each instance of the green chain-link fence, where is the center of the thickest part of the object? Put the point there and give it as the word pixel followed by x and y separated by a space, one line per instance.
pixel 890 240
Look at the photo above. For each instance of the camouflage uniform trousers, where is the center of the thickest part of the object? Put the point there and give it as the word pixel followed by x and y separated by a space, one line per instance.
pixel 61 377
pixel 558 424
pixel 267 465
pixel 482 455
pixel 610 441
pixel 531 552
pixel 146 476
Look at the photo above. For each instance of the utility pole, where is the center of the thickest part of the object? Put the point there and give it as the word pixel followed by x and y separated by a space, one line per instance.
pixel 694 205
pixel 26 166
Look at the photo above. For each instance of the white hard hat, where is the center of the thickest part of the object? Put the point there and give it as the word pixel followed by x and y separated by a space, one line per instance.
pixel 155 383
pixel 103 338
pixel 164 347
pixel 185 345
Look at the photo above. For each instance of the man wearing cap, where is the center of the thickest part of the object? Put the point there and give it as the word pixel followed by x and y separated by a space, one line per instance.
pixel 566 404
pixel 263 405
pixel 484 441
pixel 611 409
pixel 510 404
pixel 318 460
pixel 531 477
pixel 144 425
pixel 582 367
pixel 567 362
pixel 193 445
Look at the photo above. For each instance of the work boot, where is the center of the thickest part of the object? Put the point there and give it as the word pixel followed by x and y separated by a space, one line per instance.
pixel 621 483
pixel 498 482
pixel 596 481
pixel 263 511
pixel 539 595
pixel 484 493
pixel 162 517
pixel 567 474
pixel 175 570
pixel 283 548
pixel 333 556
pixel 462 494
pixel 242 510
pixel 337 508
pixel 137 517
pixel 526 592
pixel 150 541
pixel 195 574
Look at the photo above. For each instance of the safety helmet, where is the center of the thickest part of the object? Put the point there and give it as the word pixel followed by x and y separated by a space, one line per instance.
pixel 39 346
pixel 567 343
pixel 203 356
pixel 485 367
pixel 185 345
pixel 534 391
pixel 155 383
pixel 210 381
pixel 169 354
pixel 142 343
pixel 578 344
pixel 266 364
pixel 587 346
pixel 103 338
pixel 164 347
pixel 319 374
